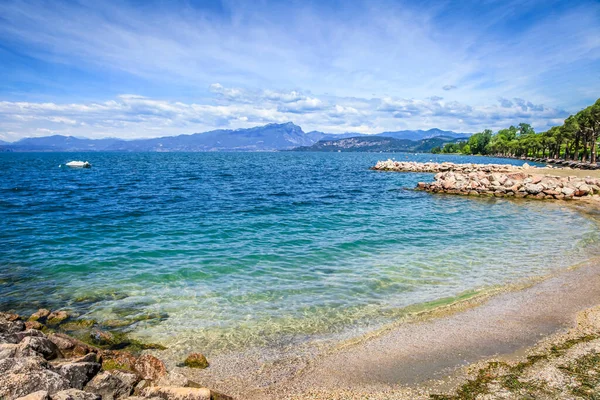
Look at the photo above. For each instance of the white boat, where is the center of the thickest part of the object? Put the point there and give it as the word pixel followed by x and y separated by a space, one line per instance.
pixel 78 164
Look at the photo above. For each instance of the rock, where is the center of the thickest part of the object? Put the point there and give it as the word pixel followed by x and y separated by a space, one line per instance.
pixel 90 357
pixel 25 375
pixel 122 360
pixel 533 188
pixel 33 325
pixel 29 333
pixel 8 338
pixel 150 367
pixel 568 191
pixel 75 394
pixel 40 315
pixel 584 189
pixel 57 317
pixel 70 346
pixel 10 323
pixel 39 395
pixel 173 378
pixel 102 338
pixel 113 384
pixel 536 179
pixel 79 373
pixel 175 393
pixel 196 360
pixel 32 345
pixel 8 350
pixel 141 385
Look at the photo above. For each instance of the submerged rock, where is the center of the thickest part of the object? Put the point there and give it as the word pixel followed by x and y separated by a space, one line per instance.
pixel 40 315
pixel 196 360
pixel 57 317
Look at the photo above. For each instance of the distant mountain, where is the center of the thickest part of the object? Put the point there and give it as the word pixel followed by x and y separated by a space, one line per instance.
pixel 62 143
pixel 420 135
pixel 377 143
pixel 271 137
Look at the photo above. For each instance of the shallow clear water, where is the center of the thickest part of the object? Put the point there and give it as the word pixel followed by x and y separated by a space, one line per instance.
pixel 235 249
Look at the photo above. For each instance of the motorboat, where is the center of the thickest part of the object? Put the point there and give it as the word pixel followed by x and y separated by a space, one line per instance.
pixel 78 164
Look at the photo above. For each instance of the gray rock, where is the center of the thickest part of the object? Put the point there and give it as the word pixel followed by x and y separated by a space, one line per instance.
pixel 10 323
pixel 40 345
pixel 8 350
pixel 22 376
pixel 29 333
pixel 113 384
pixel 8 338
pixel 173 378
pixel 75 394
pixel 567 191
pixel 79 373
pixel 533 188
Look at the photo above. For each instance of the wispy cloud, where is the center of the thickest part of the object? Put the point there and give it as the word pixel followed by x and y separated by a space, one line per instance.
pixel 133 116
pixel 365 66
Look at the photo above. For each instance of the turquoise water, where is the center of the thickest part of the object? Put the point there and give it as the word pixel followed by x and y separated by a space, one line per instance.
pixel 236 249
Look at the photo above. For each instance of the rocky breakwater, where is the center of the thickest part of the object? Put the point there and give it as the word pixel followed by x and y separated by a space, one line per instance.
pixel 512 184
pixel 411 166
pixel 37 365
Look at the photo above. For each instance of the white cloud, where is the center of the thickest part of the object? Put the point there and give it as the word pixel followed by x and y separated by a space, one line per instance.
pixel 133 116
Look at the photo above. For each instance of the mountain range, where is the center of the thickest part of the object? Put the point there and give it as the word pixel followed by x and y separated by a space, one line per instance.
pixel 270 137
pixel 377 143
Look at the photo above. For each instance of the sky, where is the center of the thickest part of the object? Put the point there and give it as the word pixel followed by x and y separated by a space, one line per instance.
pixel 132 69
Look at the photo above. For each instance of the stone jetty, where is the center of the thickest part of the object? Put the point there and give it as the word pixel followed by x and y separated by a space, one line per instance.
pixel 496 180
pixel 36 365
pixel 411 166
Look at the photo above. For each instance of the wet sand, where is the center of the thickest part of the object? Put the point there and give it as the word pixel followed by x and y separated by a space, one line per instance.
pixel 416 353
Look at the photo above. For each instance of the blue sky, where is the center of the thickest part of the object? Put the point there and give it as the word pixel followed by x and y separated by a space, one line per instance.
pixel 147 69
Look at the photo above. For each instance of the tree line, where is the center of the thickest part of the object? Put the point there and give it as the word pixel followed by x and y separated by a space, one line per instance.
pixel 576 139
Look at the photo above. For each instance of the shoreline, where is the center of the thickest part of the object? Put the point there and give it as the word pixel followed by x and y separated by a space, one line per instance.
pixel 430 356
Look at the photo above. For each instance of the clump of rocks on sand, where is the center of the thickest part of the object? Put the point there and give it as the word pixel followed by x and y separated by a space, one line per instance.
pixel 413 166
pixel 35 365
pixel 496 180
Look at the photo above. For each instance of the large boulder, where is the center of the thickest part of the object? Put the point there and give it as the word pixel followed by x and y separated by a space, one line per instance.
pixel 112 385
pixel 32 345
pixel 22 376
pixel 70 346
pixel 150 367
pixel 10 323
pixel 8 350
pixel 78 373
